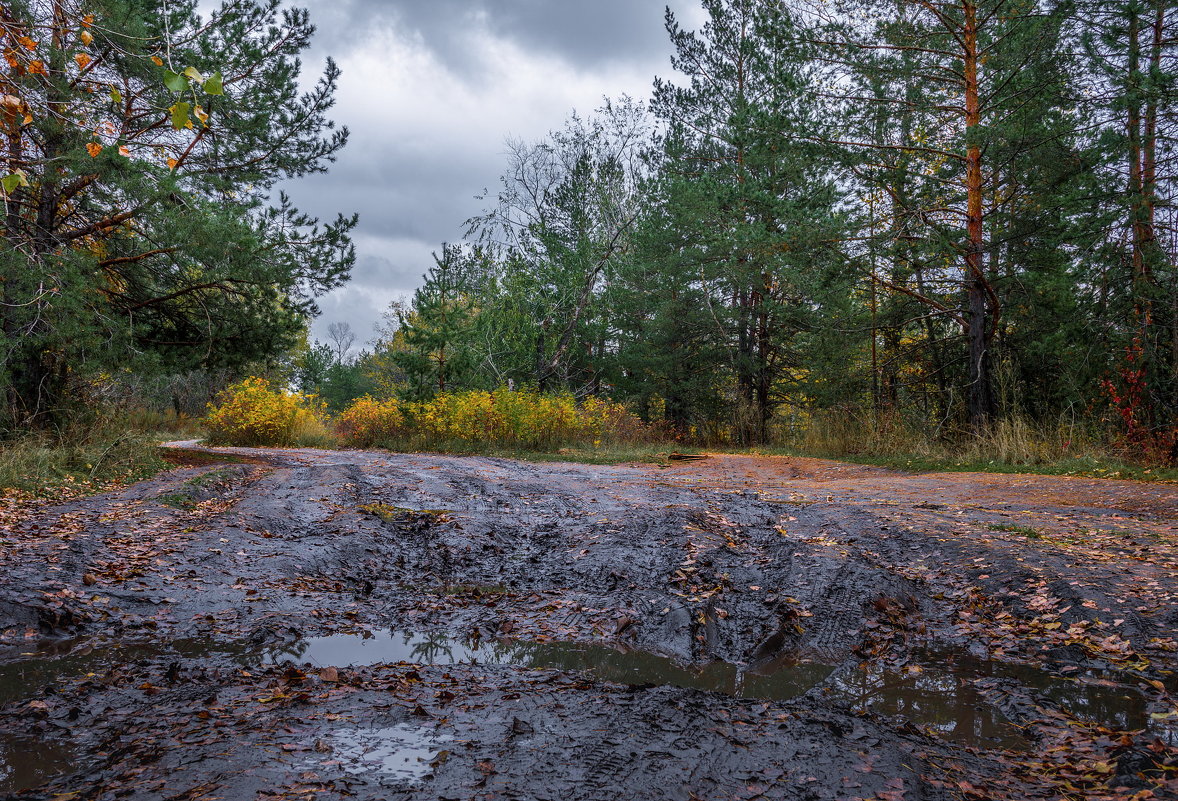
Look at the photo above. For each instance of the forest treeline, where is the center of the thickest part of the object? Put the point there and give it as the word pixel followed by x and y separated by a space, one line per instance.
pixel 943 213
pixel 951 211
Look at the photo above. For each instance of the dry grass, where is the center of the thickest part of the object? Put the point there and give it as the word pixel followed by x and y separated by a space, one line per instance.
pixel 1011 440
pixel 82 457
pixel 1011 445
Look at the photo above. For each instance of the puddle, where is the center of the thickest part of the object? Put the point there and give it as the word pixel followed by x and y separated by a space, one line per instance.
pixel 937 692
pixel 780 680
pixel 1094 696
pixel 25 763
pixel 403 752
pixel 36 666
pixel 943 703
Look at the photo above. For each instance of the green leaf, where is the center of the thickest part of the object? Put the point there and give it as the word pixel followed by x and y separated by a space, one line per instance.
pixel 11 182
pixel 175 81
pixel 116 96
pixel 215 84
pixel 194 74
pixel 180 113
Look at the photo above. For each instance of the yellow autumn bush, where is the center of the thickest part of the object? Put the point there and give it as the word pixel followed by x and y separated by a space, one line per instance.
pixel 252 413
pixel 608 421
pixel 523 419
pixel 369 422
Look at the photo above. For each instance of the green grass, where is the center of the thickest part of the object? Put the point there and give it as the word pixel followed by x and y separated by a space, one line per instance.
pixel 399 514
pixel 1010 528
pixel 605 454
pixel 1087 467
pixel 187 500
pixel 178 500
pixel 80 461
pixel 213 477
pixel 609 455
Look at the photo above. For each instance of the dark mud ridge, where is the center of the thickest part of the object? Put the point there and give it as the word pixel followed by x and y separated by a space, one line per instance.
pixel 323 625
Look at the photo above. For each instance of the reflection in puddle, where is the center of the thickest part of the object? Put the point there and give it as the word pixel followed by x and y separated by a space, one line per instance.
pixel 401 752
pixel 779 680
pixel 25 764
pixel 941 693
pixel 52 661
pixel 946 704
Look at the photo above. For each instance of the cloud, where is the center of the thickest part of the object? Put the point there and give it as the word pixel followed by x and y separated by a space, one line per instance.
pixel 586 35
pixel 432 90
pixel 377 281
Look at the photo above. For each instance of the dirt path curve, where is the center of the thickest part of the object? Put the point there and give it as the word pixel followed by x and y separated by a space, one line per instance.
pixel 322 624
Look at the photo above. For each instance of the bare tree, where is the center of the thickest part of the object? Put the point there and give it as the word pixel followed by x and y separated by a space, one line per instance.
pixel 342 338
pixel 566 209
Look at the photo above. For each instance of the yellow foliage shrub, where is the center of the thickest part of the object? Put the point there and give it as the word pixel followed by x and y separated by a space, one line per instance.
pixel 368 422
pixel 509 418
pixel 607 421
pixel 254 414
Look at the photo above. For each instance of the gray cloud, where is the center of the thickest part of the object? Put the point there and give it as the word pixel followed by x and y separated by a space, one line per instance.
pixel 376 282
pixel 430 91
pixel 585 34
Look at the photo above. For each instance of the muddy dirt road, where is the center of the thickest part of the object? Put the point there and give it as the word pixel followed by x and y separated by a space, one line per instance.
pixel 351 625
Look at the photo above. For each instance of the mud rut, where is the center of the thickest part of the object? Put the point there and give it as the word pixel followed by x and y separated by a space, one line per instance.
pixel 323 625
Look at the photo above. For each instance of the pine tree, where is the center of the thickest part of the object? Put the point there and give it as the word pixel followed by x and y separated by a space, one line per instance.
pixel 962 80
pixel 1129 86
pixel 140 147
pixel 764 208
pixel 435 329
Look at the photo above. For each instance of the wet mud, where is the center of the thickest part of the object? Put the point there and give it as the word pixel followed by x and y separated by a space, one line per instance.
pixel 322 625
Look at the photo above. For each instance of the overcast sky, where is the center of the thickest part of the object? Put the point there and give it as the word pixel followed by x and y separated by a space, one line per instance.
pixel 431 90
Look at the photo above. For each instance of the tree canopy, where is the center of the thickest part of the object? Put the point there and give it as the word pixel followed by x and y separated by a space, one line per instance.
pixel 950 211
pixel 142 144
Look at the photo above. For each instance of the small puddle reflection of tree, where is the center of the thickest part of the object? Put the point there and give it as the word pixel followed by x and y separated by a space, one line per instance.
pixel 942 702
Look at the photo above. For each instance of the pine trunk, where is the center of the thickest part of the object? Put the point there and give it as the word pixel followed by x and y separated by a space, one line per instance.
pixel 981 401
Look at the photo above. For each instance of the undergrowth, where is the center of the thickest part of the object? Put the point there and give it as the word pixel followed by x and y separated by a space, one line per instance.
pixel 79 459
pixel 1013 445
pixel 254 413
pixel 522 420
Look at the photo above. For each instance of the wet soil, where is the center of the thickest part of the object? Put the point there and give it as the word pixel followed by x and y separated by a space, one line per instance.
pixel 321 625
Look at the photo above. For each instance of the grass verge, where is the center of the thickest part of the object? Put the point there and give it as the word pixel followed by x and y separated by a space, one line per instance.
pixel 1084 467
pixel 62 466
pixel 605 454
